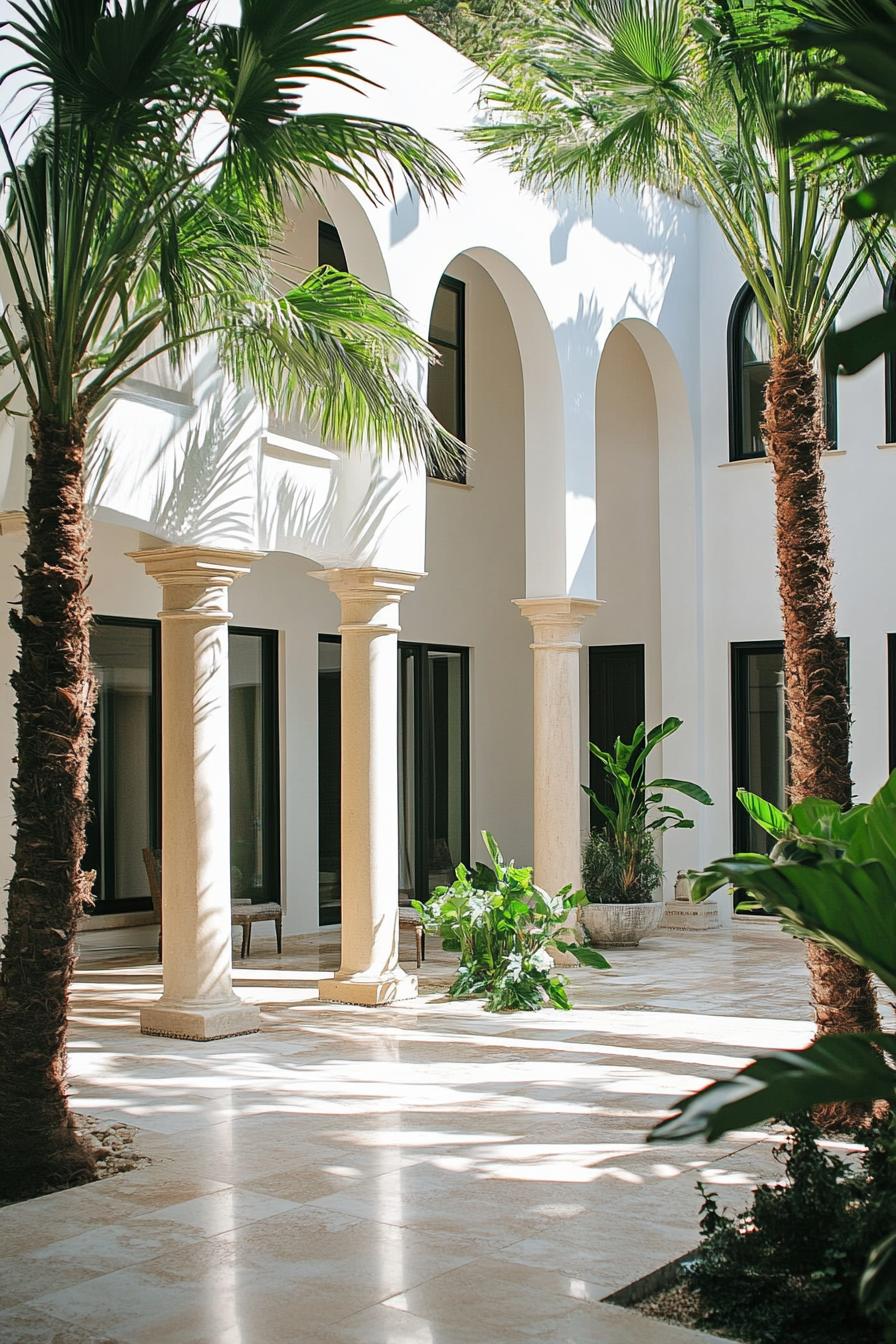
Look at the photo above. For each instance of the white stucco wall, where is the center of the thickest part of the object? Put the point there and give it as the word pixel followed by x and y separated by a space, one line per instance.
pixel 597 415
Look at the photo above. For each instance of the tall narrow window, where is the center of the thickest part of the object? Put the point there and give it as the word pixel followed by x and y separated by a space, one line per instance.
pixel 446 390
pixel 330 251
pixel 749 356
pixel 890 367
pixel 125 773
pixel 254 767
pixel 615 705
pixel 759 735
pixel 433 770
pixel 749 362
pixel 124 776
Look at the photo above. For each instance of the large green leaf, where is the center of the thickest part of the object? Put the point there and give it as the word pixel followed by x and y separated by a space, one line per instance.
pixel 877 1286
pixel 850 907
pixel 833 1068
pixel 765 814
pixel 588 956
pixel 683 786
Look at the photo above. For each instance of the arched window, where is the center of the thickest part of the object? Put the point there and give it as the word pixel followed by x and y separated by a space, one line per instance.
pixel 890 366
pixel 749 355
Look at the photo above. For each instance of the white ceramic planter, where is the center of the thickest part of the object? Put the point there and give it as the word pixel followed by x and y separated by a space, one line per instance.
pixel 621 925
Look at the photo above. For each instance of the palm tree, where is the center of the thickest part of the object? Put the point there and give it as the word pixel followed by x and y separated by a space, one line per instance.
pixel 121 242
pixel 685 98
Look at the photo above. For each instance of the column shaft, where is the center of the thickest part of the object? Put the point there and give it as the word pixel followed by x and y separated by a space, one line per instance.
pixel 198 1002
pixel 557 832
pixel 369 973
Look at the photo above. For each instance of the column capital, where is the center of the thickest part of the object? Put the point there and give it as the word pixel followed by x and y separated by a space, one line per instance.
pixel 556 621
pixel 194 579
pixel 368 581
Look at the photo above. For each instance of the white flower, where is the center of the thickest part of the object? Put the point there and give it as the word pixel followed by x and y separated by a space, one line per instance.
pixel 514 966
pixel 477 905
pixel 541 960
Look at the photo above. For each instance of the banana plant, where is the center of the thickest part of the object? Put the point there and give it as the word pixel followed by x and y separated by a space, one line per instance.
pixel 831 878
pixel 632 797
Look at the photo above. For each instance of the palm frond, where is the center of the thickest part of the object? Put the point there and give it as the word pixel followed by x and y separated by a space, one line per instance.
pixel 334 352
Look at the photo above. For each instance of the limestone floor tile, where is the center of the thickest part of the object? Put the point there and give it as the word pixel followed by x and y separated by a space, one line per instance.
pixel 26 1325
pixel 424 1174
pixel 107 1248
pixel 389 1325
pixel 218 1212
pixel 499 1295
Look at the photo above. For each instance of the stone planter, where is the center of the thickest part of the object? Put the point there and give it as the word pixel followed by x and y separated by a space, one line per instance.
pixel 621 925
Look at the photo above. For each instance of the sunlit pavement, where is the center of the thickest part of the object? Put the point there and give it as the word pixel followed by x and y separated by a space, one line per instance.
pixel 420 1174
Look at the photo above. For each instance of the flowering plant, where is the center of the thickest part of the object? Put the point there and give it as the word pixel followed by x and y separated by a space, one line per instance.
pixel 504 926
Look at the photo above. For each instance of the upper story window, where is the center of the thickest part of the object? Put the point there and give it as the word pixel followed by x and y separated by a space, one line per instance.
pixel 890 366
pixel 446 389
pixel 749 363
pixel 330 251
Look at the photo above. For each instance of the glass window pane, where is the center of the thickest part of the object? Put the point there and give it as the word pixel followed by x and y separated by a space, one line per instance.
pixel 329 737
pixel 753 380
pixel 123 763
pixel 330 251
pixel 766 741
pixel 445 840
pixel 444 325
pixel 251 739
pixel 442 391
pixel 757 346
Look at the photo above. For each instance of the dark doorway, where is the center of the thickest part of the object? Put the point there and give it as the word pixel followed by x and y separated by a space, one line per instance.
pixel 615 703
pixel 433 769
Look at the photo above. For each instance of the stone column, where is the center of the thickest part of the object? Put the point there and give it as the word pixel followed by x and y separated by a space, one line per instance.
pixel 198 1002
pixel 369 973
pixel 557 832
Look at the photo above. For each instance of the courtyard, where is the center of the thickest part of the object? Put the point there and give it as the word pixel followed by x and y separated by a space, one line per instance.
pixel 428 1174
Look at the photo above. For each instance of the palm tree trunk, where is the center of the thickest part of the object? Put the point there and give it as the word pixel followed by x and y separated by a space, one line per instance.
pixel 54 691
pixel 815 660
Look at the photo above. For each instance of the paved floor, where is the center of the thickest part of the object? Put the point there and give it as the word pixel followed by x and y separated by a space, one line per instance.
pixel 419 1174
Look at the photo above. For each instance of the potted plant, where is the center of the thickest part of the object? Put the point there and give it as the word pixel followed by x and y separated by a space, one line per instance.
pixel 620 869
pixel 504 926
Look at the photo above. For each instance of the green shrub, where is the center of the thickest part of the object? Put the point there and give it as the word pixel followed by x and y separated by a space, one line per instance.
pixel 504 926
pixel 611 876
pixel 788 1269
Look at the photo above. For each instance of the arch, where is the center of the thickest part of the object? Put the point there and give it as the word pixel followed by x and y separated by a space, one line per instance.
pixel 679 610
pixel 546 510
pixel 363 252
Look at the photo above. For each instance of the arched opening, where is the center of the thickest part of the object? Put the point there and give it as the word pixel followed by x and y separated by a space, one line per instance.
pixel 648 664
pixel 464 765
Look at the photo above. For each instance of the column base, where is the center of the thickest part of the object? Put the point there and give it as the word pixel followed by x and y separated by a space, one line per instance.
pixel 369 993
pixel 193 1022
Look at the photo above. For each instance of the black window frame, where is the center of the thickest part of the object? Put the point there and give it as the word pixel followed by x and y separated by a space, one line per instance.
pixel 421 706
pixel 739 650
pixel 891 700
pixel 744 298
pixel 890 367
pixel 740 747
pixel 270 717
pixel 459 348
pixel 328 233
pixel 270 779
pixel 107 847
